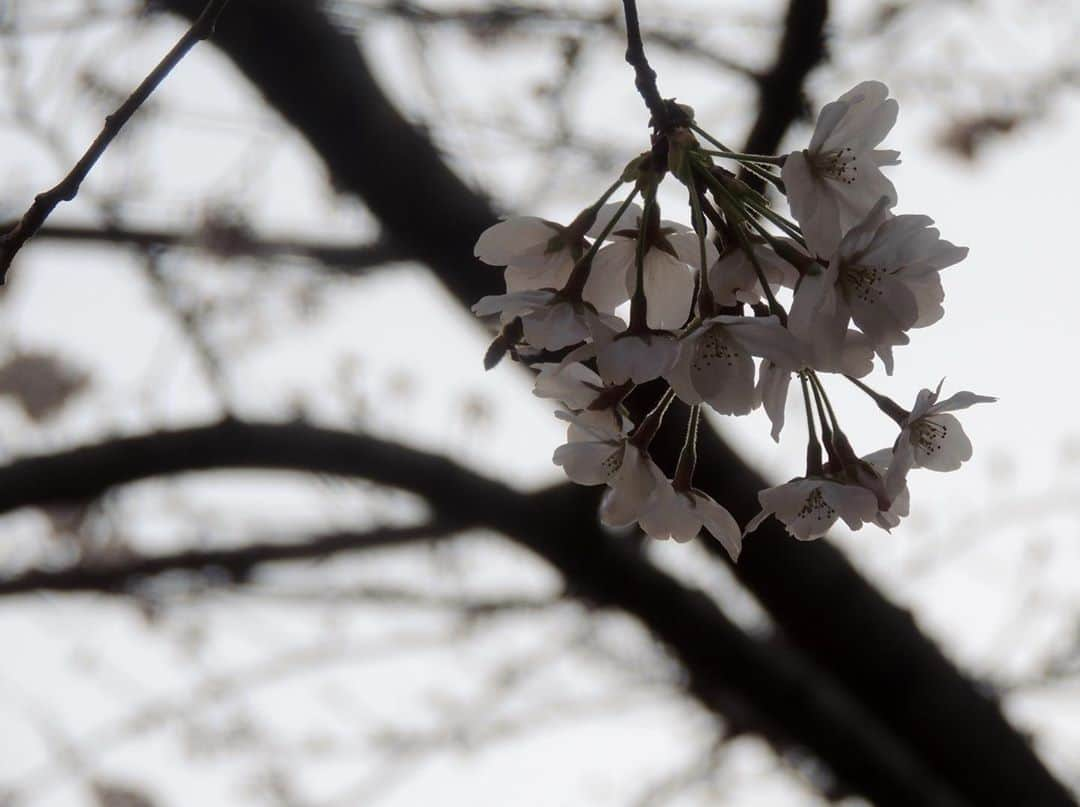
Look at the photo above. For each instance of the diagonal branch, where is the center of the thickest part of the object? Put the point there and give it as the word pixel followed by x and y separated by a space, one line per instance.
pixel 68 188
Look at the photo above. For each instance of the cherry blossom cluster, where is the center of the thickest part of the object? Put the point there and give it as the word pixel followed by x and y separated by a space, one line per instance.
pixel 620 297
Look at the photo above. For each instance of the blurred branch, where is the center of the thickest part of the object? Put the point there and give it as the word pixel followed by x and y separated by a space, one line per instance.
pixel 469 606
pixel 758 687
pixel 68 188
pixel 781 100
pixel 490 20
pixel 235 565
pixel 230 242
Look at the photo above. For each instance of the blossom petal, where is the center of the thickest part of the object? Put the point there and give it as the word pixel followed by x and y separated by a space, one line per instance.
pixel 628 220
pixel 669 290
pixel 961 400
pixel 500 243
pixel 688 249
pixel 940 443
pixel 772 388
pixel 720 524
pixel 671 516
pixel 632 490
pixel 638 358
pixel 574 384
pixel 588 463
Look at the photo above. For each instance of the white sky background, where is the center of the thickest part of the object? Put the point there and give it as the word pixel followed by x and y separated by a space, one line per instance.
pixel 987 560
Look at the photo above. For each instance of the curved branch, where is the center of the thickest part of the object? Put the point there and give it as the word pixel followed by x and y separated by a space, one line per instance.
pixel 757 687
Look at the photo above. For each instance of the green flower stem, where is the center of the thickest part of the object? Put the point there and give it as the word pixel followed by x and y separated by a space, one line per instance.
pixel 684 470
pixel 813 446
pixel 580 273
pixel 751 167
pixel 607 195
pixel 731 209
pixel 826 429
pixel 705 302
pixel 638 304
pixel 828 404
pixel 643 435
pixel 760 159
pixel 884 402
pixel 789 227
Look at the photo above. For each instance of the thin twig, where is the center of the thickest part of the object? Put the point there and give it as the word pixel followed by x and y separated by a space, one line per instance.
pixel 644 75
pixel 68 188
pixel 234 564
pixel 232 242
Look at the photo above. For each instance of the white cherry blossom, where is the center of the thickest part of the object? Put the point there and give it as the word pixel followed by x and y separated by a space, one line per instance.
pixel 549 320
pixel 597 452
pixel 633 488
pixel 773 384
pixel 538 253
pixel 667 273
pixel 834 182
pixel 680 516
pixel 733 278
pixel 900 497
pixel 594 447
pixel 809 506
pixel 715 364
pixel 931 437
pixel 637 357
pixel 884 278
pixel 573 384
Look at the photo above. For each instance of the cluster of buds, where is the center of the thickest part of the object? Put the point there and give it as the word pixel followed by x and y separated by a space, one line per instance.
pixel 707 315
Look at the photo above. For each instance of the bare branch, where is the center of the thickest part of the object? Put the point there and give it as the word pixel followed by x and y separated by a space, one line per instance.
pixel 757 687
pixel 234 565
pixel 68 188
pixel 231 243
pixel 644 75
pixel 490 20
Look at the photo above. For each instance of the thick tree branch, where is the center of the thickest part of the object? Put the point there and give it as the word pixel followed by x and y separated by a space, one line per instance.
pixel 755 686
pixel 780 90
pixel 67 189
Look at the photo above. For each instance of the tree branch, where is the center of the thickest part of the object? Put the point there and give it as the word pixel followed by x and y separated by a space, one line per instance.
pixel 496 18
pixel 757 687
pixel 781 100
pixel 68 188
pixel 644 75
pixel 235 564
pixel 230 243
